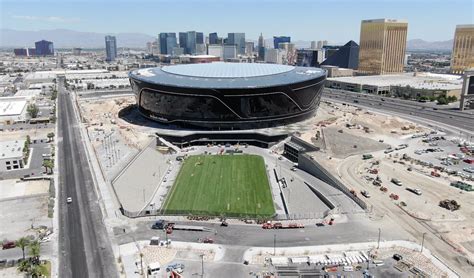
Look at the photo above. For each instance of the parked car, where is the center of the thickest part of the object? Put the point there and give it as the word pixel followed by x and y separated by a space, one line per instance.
pixel 414 190
pixel 397 257
pixel 69 200
pixel 365 193
pixel 396 181
pixel 8 245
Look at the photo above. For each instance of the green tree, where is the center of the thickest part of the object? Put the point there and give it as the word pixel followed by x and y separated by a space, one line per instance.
pixel 48 164
pixel 24 266
pixel 36 271
pixel 32 110
pixel 35 250
pixel 452 99
pixel 54 95
pixel 50 136
pixel 442 100
pixel 22 243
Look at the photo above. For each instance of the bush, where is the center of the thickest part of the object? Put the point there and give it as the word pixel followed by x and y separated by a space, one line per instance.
pixel 442 101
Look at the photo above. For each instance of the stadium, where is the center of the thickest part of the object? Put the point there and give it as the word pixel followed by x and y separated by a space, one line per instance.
pixel 227 96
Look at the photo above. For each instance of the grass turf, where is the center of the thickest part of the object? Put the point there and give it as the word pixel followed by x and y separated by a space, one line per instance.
pixel 231 185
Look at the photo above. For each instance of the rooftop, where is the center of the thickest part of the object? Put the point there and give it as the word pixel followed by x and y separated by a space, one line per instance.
pixel 227 75
pixel 11 106
pixel 11 149
pixel 430 81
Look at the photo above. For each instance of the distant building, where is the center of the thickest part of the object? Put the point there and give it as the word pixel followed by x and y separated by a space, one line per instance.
pixel 199 38
pixel 216 50
pixel 321 44
pixel 44 48
pixel 237 39
pixel 290 52
pixel 249 48
pixel 403 85
pixel 229 51
pixel 313 45
pixel 333 71
pixel 110 48
pixel 382 46
pixel 11 155
pixel 261 48
pixel 20 51
pixel 462 57
pixel 275 56
pixel 76 51
pixel 167 43
pixel 12 110
pixel 197 59
pixel 309 57
pixel 213 38
pixel 183 40
pixel 177 51
pixel 280 39
pixel 346 56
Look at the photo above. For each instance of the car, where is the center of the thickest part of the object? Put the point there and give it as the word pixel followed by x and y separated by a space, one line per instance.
pixel 293 169
pixel 319 224
pixel 396 181
pixel 414 190
pixel 158 225
pixel 207 240
pixel 469 169
pixel 69 200
pixel 365 194
pixel 8 245
pixel 397 257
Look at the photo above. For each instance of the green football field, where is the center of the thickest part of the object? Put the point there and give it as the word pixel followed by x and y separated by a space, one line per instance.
pixel 232 185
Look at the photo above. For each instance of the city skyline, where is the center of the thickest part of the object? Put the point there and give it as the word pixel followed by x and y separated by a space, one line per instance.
pixel 306 23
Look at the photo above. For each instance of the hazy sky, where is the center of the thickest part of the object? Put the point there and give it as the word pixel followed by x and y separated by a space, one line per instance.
pixel 332 20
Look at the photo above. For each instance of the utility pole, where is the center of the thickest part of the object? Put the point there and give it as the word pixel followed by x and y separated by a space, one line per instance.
pixel 378 242
pixel 422 242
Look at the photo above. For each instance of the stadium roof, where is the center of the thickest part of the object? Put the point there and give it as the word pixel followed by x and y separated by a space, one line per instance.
pixel 226 75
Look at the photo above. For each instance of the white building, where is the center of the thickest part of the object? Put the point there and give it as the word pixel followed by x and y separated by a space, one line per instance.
pixel 12 109
pixel 11 155
pixel 275 56
pixel 216 50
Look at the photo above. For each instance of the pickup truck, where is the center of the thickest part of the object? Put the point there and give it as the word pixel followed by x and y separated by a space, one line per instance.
pixel 396 181
pixel 414 190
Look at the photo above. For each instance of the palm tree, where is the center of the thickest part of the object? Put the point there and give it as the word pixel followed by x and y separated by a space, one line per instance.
pixel 35 250
pixel 23 243
pixel 36 271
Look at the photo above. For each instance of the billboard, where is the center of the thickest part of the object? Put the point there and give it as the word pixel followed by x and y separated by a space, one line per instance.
pixel 470 86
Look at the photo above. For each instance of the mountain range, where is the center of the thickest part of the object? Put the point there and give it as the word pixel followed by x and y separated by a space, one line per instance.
pixel 64 38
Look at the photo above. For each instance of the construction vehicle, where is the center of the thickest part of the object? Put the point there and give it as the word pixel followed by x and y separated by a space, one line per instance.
pixel 394 196
pixel 435 174
pixel 414 190
pixel 383 189
pixel 452 205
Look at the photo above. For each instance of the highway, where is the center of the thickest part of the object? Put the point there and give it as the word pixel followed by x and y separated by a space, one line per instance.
pixel 84 247
pixel 455 118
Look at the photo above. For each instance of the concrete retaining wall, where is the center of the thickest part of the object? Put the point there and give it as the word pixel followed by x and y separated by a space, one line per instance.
pixel 309 165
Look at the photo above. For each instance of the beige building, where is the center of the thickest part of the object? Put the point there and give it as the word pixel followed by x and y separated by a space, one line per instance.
pixel 463 49
pixel 382 46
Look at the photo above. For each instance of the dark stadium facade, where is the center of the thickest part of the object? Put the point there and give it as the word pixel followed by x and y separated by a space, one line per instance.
pixel 228 96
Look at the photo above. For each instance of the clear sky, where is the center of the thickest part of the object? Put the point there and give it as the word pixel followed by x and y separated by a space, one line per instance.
pixel 332 20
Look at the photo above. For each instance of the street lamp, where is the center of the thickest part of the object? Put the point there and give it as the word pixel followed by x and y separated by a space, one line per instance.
pixel 422 242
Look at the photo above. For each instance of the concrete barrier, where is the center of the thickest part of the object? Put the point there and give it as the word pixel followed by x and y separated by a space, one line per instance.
pixel 306 163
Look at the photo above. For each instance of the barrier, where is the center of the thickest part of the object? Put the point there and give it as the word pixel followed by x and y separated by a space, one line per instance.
pixel 306 163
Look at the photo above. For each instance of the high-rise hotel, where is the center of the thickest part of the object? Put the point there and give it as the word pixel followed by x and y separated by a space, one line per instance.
pixel 382 46
pixel 462 57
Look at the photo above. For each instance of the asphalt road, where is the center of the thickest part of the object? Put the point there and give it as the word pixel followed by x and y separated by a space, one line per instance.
pixel 442 114
pixel 84 248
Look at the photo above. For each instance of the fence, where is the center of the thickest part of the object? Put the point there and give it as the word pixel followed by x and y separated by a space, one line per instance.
pixel 204 214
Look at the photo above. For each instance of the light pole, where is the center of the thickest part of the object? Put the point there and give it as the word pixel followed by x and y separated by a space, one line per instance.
pixel 422 242
pixel 378 242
